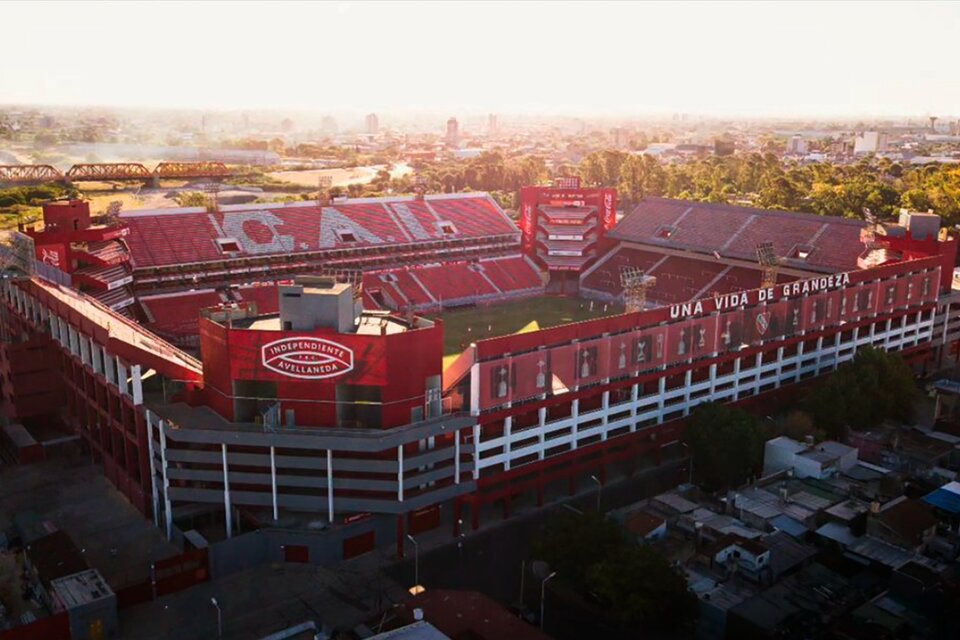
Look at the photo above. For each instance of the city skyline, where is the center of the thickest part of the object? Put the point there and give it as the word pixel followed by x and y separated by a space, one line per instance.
pixel 785 60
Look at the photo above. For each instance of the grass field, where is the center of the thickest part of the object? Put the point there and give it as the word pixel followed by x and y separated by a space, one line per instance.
pixel 463 326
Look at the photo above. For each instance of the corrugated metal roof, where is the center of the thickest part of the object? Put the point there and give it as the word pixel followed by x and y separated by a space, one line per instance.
pixel 944 499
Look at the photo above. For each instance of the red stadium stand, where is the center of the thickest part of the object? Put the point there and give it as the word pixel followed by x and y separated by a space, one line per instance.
pixel 264 296
pixel 604 276
pixel 176 316
pixel 803 241
pixel 681 279
pixel 453 283
pixel 183 236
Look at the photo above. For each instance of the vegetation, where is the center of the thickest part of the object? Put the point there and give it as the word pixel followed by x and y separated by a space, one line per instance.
pixel 34 195
pixel 192 199
pixel 726 444
pixel 766 181
pixel 875 386
pixel 634 584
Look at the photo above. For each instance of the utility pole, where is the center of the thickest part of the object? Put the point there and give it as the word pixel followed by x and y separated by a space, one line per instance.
pixel 543 593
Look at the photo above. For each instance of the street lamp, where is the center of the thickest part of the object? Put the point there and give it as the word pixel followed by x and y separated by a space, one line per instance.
pixel 543 593
pixel 216 604
pixel 599 490
pixel 416 560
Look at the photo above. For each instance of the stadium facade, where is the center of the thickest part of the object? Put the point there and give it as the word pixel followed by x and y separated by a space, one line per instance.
pixel 316 399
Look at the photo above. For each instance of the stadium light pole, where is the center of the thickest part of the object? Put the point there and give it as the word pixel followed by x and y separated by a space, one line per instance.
pixel 599 490
pixel 416 559
pixel 543 593
pixel 216 604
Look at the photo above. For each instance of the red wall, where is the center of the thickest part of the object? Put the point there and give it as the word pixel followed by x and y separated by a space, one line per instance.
pixel 397 363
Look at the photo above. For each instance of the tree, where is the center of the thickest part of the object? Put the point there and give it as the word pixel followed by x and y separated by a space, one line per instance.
pixel 875 386
pixel 642 589
pixel 726 444
pixel 573 543
pixel 192 199
pixel 633 584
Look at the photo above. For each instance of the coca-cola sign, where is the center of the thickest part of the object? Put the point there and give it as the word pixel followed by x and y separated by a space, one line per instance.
pixel 307 358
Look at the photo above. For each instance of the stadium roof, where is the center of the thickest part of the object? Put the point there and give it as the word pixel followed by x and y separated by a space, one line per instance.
pixel 160 237
pixel 801 240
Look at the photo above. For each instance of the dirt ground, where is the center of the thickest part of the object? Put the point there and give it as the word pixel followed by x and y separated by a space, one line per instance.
pixel 341 177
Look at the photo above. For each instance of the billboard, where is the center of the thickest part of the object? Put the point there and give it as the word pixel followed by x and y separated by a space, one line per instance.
pixel 293 357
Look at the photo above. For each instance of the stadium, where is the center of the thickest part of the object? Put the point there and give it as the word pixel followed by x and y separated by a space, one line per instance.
pixel 389 366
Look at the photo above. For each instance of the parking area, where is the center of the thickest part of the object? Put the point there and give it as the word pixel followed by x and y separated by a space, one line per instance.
pixel 74 495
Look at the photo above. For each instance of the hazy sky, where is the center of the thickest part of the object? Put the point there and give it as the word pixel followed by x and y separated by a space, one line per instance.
pixel 751 59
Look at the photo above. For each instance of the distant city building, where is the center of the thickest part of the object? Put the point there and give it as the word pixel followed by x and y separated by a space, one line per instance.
pixel 869 142
pixel 493 124
pixel 797 146
pixel 372 124
pixel 453 132
pixel 328 124
pixel 287 125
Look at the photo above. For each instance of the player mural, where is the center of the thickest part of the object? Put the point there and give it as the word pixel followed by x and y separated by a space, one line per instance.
pixel 701 329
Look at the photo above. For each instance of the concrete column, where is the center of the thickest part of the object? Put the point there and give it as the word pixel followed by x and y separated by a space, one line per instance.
pixel 400 473
pixel 474 387
pixel 799 360
pixel 661 389
pixel 779 366
pixel 153 472
pixel 605 418
pixel 575 426
pixel 84 349
pixel 330 485
pixel 456 458
pixel 121 377
pixel 946 323
pixel 168 510
pixel 74 341
pixel 476 451
pixel 273 482
pixel 137 384
pixel 736 379
pixel 687 381
pixel 109 368
pixel 542 416
pixel 634 400
pixel 713 380
pixel 227 508
pixel 97 357
pixel 507 446
pixel 758 362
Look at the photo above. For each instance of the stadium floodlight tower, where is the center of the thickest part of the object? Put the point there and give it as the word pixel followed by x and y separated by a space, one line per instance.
pixel 769 264
pixel 874 228
pixel 636 284
pixel 419 186
pixel 324 182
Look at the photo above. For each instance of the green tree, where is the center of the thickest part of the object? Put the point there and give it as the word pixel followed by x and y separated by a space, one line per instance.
pixel 192 199
pixel 726 444
pixel 634 584
pixel 573 543
pixel 643 590
pixel 875 386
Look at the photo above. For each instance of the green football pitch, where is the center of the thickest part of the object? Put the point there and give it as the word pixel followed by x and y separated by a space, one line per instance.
pixel 463 326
